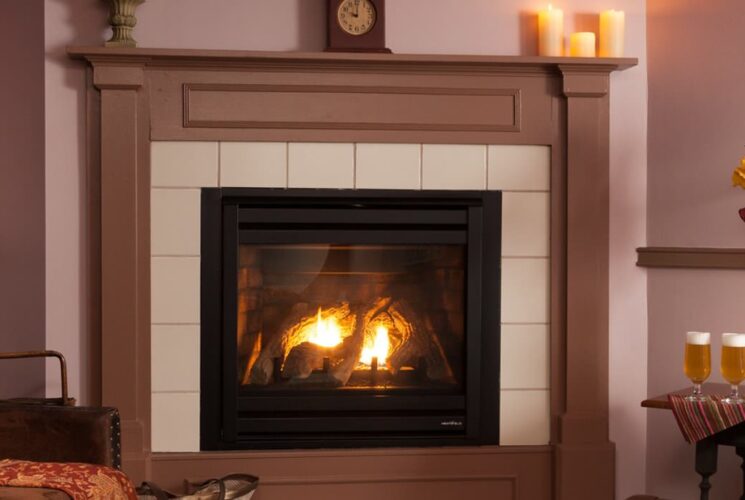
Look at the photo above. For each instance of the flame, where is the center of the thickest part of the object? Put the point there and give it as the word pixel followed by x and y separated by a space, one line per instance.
pixel 377 346
pixel 325 332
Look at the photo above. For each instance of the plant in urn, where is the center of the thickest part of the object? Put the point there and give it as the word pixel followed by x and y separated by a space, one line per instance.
pixel 122 20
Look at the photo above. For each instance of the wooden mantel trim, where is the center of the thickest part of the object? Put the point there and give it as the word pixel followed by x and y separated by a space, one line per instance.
pixel 692 258
pixel 559 102
pixel 406 62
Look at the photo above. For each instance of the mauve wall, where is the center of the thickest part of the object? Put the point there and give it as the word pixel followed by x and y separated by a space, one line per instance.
pixel 417 26
pixel 22 194
pixel 696 137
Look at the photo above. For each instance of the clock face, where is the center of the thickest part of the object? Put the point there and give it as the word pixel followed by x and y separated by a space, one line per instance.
pixel 356 17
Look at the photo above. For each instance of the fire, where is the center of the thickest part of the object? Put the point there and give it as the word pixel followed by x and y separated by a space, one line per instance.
pixel 329 329
pixel 325 332
pixel 377 346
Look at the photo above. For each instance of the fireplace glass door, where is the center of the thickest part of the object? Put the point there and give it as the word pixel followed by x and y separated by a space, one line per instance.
pixel 351 317
pixel 336 318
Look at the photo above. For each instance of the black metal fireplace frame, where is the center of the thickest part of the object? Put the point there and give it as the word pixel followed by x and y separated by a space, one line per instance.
pixel 230 420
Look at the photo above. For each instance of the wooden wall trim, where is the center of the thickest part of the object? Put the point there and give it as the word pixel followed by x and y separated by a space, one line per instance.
pixel 509 473
pixel 584 449
pixel 692 258
pixel 337 60
pixel 271 106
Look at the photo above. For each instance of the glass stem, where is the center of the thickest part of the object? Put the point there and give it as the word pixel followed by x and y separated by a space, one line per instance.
pixel 696 389
pixel 735 394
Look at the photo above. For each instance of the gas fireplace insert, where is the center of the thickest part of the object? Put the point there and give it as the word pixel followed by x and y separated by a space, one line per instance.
pixel 335 318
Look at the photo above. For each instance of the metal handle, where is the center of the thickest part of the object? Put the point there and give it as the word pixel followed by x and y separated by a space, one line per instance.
pixel 44 354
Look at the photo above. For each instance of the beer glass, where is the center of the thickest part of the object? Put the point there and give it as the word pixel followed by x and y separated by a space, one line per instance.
pixel 697 364
pixel 733 364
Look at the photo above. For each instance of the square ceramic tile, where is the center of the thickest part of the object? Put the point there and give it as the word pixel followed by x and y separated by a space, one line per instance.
pixel 524 418
pixel 449 166
pixel 524 357
pixel 175 421
pixel 520 168
pixel 175 216
pixel 525 224
pixel 174 354
pixel 388 166
pixel 183 164
pixel 525 290
pixel 321 165
pixel 174 289
pixel 253 164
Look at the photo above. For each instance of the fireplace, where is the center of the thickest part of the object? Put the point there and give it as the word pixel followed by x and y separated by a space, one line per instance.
pixel 336 318
pixel 163 124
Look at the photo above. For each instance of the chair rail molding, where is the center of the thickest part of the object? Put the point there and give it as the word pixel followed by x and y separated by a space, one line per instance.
pixel 691 258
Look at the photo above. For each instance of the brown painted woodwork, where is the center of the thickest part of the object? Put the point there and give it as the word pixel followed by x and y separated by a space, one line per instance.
pixel 357 108
pixel 694 258
pixel 154 94
pixel 338 40
pixel 23 288
pixel 475 473
pixel 583 449
pixel 662 403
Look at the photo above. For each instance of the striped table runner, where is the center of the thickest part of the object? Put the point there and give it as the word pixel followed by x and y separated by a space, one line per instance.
pixel 700 419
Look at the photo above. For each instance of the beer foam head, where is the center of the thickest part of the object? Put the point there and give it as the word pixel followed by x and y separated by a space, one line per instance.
pixel 698 338
pixel 733 339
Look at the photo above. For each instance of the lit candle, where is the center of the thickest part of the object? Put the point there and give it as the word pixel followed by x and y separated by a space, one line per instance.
pixel 582 44
pixel 551 32
pixel 612 24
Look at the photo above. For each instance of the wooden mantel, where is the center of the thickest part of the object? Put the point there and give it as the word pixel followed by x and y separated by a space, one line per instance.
pixel 141 95
pixel 226 58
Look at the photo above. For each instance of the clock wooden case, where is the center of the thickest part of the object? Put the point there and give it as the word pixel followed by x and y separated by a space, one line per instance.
pixel 356 26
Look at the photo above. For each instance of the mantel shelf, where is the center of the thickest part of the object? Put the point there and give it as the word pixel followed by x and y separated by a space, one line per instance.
pixel 157 57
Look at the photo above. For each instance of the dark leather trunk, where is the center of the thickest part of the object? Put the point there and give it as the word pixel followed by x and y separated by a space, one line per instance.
pixel 45 433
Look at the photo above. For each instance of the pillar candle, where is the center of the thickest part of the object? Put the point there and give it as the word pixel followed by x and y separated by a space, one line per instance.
pixel 612 24
pixel 551 32
pixel 582 44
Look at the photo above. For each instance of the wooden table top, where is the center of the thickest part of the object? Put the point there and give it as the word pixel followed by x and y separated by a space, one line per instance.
pixel 661 402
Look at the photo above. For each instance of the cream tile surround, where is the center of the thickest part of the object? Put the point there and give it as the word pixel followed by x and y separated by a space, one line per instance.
pixel 255 164
pixel 180 168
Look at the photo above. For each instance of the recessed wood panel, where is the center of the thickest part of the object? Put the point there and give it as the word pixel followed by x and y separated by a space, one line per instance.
pixel 346 107
pixel 395 488
pixel 478 473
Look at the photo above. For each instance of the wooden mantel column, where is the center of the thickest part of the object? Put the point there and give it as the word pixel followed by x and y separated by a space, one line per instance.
pixel 124 244
pixel 584 454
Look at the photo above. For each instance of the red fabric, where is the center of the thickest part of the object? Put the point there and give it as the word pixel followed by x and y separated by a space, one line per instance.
pixel 700 419
pixel 80 481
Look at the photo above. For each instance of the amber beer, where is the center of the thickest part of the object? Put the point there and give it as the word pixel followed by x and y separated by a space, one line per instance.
pixel 733 357
pixel 697 365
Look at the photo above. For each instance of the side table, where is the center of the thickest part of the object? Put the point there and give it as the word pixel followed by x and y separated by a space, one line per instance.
pixel 706 449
